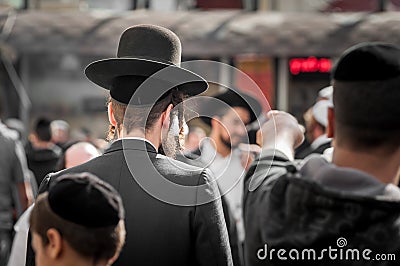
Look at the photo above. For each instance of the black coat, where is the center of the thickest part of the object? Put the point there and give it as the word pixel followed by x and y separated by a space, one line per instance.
pixel 43 161
pixel 192 159
pixel 159 233
pixel 309 150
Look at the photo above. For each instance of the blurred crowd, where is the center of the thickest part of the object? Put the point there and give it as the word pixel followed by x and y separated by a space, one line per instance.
pixel 261 181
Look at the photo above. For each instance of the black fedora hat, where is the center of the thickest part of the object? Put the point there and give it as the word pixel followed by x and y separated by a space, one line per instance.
pixel 143 51
pixel 233 98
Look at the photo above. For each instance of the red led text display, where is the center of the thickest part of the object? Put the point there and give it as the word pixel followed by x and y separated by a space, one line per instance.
pixel 310 65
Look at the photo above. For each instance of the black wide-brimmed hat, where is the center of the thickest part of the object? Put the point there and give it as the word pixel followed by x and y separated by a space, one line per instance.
pixel 232 98
pixel 143 51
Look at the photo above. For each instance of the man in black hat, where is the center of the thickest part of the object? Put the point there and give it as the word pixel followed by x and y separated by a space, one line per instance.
pixel 227 114
pixel 173 210
pixel 79 221
pixel 342 213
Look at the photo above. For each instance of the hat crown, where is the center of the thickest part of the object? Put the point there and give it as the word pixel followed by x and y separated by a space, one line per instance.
pixel 150 42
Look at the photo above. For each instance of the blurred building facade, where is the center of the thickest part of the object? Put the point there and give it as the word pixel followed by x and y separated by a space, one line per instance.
pixel 286 46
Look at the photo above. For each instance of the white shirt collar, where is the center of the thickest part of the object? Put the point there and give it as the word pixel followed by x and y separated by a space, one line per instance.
pixel 146 140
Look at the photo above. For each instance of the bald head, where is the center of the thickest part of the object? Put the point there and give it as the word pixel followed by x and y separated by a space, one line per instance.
pixel 80 153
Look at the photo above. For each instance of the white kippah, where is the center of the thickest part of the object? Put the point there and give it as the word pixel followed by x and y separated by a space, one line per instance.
pixel 320 112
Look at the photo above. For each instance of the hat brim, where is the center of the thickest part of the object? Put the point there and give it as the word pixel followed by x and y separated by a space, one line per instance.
pixel 103 72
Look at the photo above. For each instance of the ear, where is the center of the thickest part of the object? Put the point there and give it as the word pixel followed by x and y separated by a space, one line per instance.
pixel 112 260
pixel 166 115
pixel 111 117
pixel 55 246
pixel 330 129
pixel 215 122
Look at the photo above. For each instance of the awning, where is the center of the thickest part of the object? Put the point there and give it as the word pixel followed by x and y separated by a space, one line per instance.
pixel 203 34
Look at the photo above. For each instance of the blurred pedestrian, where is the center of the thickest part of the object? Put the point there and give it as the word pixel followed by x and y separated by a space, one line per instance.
pixel 15 190
pixel 60 133
pixel 77 154
pixel 42 154
pixel 352 203
pixel 19 127
pixel 193 138
pixel 192 230
pixel 79 221
pixel 316 119
pixel 231 112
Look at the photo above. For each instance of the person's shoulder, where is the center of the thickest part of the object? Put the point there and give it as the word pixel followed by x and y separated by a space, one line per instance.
pixel 182 172
pixel 178 166
pixel 267 169
pixel 8 134
pixel 51 177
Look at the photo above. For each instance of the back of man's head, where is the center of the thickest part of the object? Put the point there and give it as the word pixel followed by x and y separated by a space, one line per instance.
pixel 43 129
pixel 366 97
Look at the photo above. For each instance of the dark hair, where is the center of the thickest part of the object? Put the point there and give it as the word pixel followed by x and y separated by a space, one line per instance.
pixel 367 114
pixel 97 243
pixel 43 129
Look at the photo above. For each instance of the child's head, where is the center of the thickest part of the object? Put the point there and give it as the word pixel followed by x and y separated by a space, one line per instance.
pixel 79 218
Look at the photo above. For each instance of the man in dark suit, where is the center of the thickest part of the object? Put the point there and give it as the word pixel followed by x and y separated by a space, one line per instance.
pixel 173 210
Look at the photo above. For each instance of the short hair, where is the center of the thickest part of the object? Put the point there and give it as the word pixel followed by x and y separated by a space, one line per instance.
pixel 143 117
pixel 366 96
pixel 365 112
pixel 97 243
pixel 86 211
pixel 43 129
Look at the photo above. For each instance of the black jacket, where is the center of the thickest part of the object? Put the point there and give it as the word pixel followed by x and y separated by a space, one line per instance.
pixel 309 150
pixel 316 207
pixel 160 233
pixel 42 161
pixel 192 159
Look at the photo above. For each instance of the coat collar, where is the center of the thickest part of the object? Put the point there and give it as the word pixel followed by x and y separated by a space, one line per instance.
pixel 131 144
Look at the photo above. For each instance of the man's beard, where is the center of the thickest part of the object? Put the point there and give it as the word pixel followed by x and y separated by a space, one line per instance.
pixel 170 145
pixel 226 143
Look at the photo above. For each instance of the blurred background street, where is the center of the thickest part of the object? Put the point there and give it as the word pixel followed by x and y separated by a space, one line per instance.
pixel 287 47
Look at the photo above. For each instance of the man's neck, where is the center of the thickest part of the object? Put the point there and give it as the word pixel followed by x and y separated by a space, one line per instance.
pixel 383 168
pixel 70 257
pixel 42 144
pixel 150 136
